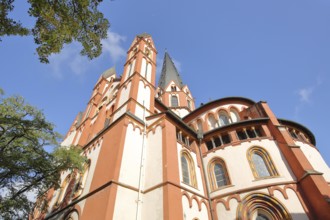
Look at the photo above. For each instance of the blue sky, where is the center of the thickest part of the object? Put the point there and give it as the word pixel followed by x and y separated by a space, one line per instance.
pixel 277 51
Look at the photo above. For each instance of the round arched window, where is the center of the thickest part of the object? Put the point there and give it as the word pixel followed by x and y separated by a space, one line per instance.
pixel 223 118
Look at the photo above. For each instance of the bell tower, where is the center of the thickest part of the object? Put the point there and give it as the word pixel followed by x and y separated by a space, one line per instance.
pixel 172 92
pixel 137 86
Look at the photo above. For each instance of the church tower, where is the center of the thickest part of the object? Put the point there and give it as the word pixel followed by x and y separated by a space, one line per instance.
pixel 152 155
pixel 172 92
pixel 137 87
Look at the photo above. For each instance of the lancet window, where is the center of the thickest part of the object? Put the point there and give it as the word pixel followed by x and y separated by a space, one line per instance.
pixel 188 169
pixel 218 174
pixel 174 101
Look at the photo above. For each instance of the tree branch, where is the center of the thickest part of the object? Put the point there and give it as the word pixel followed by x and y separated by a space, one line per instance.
pixel 32 184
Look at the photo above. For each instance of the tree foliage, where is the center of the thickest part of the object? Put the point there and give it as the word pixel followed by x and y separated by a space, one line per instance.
pixel 9 26
pixel 59 22
pixel 25 166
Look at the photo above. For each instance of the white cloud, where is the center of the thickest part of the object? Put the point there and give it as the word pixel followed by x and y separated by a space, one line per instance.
pixel 305 94
pixel 77 64
pixel 70 59
pixel 112 46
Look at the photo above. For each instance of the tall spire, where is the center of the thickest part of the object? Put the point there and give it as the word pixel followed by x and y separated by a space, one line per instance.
pixel 171 90
pixel 169 73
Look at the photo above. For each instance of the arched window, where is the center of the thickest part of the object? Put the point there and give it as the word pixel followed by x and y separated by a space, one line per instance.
pixel 200 125
pixel 259 206
pixel 223 117
pixel 67 196
pixel 62 190
pixel 188 169
pixel 88 110
pixel 81 181
pixel 174 101
pixel 185 169
pixel 218 174
pixel 261 163
pixel 130 70
pixel 189 104
pixel 212 122
pixel 148 72
pixel 234 116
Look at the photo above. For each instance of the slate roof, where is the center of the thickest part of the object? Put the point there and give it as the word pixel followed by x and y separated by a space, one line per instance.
pixel 109 72
pixel 144 35
pixel 169 73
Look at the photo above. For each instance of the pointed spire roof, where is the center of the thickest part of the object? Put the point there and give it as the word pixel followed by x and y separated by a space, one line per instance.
pixel 169 73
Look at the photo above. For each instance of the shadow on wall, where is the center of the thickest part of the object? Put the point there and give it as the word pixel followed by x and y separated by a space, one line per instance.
pixel 287 165
pixel 299 216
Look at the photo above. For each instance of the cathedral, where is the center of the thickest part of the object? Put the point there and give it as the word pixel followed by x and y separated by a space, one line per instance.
pixel 153 155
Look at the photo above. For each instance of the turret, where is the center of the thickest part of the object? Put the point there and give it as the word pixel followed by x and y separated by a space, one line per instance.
pixel 172 92
pixel 137 88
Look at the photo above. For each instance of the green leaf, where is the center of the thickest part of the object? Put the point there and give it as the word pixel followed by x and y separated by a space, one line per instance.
pixel 25 166
pixel 59 22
